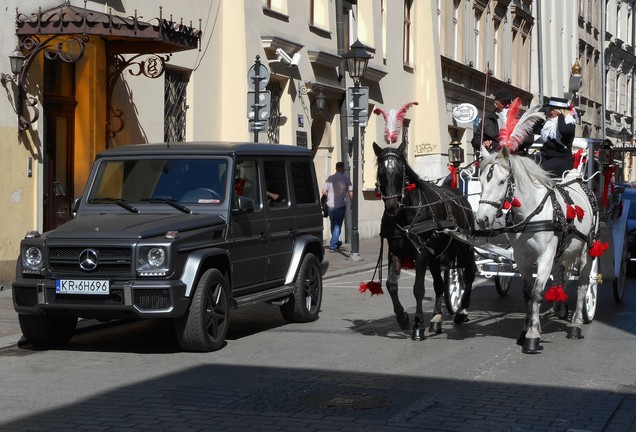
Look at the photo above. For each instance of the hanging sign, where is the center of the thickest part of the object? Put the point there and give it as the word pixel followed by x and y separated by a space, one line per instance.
pixel 465 113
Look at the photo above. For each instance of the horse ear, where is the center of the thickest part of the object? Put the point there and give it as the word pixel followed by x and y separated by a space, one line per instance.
pixel 483 150
pixel 377 149
pixel 505 152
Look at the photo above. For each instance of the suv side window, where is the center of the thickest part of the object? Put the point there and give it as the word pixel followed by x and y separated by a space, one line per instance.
pixel 276 184
pixel 302 182
pixel 246 182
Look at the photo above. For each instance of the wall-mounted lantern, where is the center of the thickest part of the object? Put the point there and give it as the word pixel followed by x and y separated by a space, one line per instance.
pixel 605 153
pixel 455 152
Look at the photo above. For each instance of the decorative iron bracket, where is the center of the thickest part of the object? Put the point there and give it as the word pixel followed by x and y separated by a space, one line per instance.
pixel 152 66
pixel 68 49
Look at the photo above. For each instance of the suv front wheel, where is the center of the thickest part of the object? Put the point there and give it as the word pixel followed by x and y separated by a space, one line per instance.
pixel 204 326
pixel 304 304
pixel 47 330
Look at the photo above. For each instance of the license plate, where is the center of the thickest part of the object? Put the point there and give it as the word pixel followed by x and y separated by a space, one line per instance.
pixel 81 286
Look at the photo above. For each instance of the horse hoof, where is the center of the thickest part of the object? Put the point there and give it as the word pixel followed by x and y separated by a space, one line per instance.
pixel 531 346
pixel 521 340
pixel 574 333
pixel 417 334
pixel 461 318
pixel 436 327
pixel 404 321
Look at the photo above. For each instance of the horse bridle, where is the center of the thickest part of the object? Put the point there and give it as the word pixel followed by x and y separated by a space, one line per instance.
pixel 401 193
pixel 510 190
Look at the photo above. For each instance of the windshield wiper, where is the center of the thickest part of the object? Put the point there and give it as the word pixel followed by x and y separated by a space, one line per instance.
pixel 120 202
pixel 170 202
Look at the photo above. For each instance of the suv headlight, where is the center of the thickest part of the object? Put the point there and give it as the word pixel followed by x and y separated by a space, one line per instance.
pixel 156 257
pixel 152 261
pixel 32 260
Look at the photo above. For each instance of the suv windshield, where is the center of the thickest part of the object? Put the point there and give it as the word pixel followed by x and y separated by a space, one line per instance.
pixel 186 181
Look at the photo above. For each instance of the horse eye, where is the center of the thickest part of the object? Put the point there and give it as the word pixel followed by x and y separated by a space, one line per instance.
pixel 502 182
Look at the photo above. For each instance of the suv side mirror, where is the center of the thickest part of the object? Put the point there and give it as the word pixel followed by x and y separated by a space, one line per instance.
pixel 244 204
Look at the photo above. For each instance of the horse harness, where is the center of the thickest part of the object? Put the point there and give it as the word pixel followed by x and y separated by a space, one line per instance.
pixel 559 223
pixel 417 228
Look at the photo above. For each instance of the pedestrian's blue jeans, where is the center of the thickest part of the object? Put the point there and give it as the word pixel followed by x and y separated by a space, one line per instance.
pixel 336 217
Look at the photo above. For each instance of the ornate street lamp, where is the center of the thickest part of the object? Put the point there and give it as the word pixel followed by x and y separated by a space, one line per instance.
pixel 16 59
pixel 357 61
pixel 624 135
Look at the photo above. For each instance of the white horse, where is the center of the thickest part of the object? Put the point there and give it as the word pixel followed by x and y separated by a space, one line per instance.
pixel 550 224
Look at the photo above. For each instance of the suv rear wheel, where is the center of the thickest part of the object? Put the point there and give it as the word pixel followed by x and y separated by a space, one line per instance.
pixel 204 327
pixel 304 304
pixel 47 331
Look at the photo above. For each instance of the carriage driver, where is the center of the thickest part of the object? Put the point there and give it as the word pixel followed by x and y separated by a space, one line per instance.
pixel 557 135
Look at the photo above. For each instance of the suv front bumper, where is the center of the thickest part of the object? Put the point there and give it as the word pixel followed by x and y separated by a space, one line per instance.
pixel 141 299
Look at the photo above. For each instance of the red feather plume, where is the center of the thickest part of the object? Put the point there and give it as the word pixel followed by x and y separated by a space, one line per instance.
pixel 517 128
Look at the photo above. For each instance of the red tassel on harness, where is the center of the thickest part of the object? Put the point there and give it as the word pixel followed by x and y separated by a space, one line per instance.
pixel 555 293
pixel 574 211
pixel 408 263
pixel 373 287
pixel 598 249
pixel 515 203
pixel 409 187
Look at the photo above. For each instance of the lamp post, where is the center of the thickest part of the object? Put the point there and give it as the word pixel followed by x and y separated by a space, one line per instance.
pixel 455 158
pixel 624 136
pixel 357 61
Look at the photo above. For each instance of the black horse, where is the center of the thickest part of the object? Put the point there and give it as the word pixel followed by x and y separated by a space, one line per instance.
pixel 416 213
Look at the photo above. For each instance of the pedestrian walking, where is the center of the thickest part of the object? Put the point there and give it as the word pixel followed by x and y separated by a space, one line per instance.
pixel 557 135
pixel 336 188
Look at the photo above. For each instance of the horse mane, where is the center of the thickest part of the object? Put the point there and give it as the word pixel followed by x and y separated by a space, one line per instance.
pixel 533 172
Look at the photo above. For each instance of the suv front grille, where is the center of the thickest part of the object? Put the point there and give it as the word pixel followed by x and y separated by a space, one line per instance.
pixel 111 260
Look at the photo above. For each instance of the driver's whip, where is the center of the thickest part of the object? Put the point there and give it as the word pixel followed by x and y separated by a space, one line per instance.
pixel 483 112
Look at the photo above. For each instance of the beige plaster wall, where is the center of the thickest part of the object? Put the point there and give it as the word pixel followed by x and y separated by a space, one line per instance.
pixel 17 196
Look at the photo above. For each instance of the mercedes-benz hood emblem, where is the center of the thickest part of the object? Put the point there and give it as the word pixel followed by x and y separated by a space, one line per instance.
pixel 88 259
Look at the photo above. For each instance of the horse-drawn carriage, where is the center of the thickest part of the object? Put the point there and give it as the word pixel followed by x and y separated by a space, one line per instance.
pixel 562 229
pixel 493 252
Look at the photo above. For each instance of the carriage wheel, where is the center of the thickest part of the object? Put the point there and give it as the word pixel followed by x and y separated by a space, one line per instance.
pixel 589 304
pixel 502 284
pixel 619 282
pixel 454 289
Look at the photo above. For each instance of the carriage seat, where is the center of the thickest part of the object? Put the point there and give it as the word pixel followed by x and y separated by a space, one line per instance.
pixel 630 195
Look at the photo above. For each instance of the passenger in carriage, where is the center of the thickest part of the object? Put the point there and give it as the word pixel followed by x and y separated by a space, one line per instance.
pixel 557 135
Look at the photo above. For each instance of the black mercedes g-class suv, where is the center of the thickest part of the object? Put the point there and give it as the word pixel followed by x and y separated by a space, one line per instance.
pixel 183 231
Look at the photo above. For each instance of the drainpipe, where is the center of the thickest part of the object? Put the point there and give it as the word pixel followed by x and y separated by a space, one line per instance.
pixel 603 75
pixel 344 127
pixel 540 52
